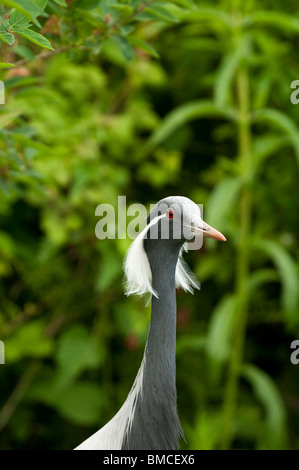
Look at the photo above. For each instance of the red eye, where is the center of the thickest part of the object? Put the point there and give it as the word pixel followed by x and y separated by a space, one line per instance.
pixel 170 214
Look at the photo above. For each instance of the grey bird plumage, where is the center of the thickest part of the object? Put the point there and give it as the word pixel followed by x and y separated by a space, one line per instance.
pixel 148 419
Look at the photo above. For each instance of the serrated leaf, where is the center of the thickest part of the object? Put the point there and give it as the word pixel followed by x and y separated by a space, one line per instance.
pixel 40 6
pixel 35 37
pixel 145 46
pixel 18 19
pixel 30 8
pixel 8 38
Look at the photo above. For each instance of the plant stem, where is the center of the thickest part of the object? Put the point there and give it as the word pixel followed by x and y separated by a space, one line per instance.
pixel 243 258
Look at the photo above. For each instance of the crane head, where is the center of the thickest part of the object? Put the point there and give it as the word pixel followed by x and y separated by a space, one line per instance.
pixel 174 225
pixel 179 218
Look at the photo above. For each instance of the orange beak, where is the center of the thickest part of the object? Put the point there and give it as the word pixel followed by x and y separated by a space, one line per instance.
pixel 208 231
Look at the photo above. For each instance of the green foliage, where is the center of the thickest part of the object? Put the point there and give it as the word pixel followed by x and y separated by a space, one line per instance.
pixel 17 22
pixel 265 391
pixel 147 99
pixel 87 24
pixel 28 341
pixel 288 272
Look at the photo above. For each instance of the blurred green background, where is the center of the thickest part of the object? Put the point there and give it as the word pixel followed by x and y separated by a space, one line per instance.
pixel 148 99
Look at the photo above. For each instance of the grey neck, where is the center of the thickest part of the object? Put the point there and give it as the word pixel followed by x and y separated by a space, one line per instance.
pixel 161 344
pixel 155 424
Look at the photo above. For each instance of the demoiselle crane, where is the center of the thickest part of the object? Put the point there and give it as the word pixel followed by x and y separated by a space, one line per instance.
pixel 148 419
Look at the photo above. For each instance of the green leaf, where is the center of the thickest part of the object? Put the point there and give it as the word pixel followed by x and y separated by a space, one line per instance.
pixel 206 430
pixel 158 12
pixel 40 6
pixel 268 395
pixel 126 29
pixel 108 272
pixel 214 15
pixel 282 121
pixel 6 65
pixel 17 18
pixel 198 43
pixel 226 72
pixel 186 3
pixel 263 86
pixel 30 8
pixel 7 247
pixel 190 343
pixel 218 340
pixel 125 46
pixel 5 36
pixel 261 276
pixel 143 45
pixel 86 4
pixel 279 19
pixel 7 118
pixel 24 52
pixel 29 340
pixel 185 113
pixel 76 352
pixel 287 270
pixel 222 201
pixel 126 9
pixel 35 37
pixel 81 403
pixel 266 146
pixel 61 3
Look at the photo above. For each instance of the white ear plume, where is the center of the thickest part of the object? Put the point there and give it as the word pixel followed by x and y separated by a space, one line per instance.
pixel 184 277
pixel 137 269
